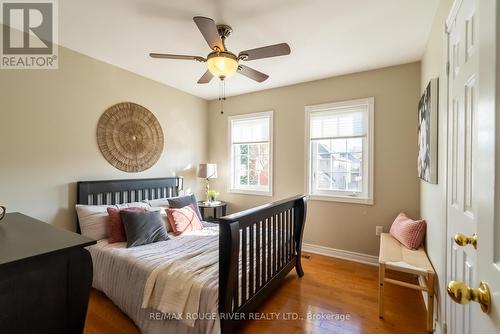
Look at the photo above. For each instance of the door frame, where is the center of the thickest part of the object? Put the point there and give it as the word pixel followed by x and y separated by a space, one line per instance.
pixel 447 252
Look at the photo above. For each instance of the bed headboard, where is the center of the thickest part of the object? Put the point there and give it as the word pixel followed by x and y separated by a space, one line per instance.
pixel 126 191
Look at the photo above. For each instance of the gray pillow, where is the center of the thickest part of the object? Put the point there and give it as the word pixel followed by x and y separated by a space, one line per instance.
pixel 142 228
pixel 182 201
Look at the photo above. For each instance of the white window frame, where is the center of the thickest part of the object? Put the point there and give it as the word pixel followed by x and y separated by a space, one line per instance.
pixel 231 187
pixel 335 196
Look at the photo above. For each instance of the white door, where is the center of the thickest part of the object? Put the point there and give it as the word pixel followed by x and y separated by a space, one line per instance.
pixel 471 165
pixel 462 144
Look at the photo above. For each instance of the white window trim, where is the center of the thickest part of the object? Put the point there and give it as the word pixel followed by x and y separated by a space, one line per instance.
pixel 230 187
pixel 370 101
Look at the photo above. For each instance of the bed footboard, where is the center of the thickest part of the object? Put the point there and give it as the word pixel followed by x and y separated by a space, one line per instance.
pixel 258 247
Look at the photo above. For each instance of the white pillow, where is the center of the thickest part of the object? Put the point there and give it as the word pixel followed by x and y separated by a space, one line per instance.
pixel 159 202
pixel 93 220
pixel 133 205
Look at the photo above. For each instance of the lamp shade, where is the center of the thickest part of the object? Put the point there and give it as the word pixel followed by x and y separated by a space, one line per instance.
pixel 207 171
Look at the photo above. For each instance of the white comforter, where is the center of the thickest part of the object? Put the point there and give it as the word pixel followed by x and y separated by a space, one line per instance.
pixel 175 286
pixel 122 274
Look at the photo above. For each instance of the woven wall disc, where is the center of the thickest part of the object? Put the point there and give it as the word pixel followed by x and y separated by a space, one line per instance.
pixel 130 137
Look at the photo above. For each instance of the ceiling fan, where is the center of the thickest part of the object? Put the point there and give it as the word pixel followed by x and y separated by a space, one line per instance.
pixel 221 62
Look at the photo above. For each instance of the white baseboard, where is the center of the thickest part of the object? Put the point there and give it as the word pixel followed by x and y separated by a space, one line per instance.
pixel 341 254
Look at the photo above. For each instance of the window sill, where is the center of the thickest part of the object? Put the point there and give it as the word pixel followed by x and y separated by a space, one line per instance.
pixel 342 199
pixel 250 192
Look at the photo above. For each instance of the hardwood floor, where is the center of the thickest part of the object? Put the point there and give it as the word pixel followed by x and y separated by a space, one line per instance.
pixel 330 287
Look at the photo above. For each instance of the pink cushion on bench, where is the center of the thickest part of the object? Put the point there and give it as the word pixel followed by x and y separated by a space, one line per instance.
pixel 408 231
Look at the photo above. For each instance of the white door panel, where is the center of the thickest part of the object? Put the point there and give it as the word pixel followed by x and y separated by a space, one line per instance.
pixel 472 185
pixel 462 145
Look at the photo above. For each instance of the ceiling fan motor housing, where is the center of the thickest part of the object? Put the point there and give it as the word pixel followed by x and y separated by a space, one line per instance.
pixel 224 30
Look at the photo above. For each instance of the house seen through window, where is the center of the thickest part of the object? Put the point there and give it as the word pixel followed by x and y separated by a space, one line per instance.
pixel 251 153
pixel 339 150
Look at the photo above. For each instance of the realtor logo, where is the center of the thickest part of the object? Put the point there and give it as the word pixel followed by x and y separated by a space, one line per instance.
pixel 29 35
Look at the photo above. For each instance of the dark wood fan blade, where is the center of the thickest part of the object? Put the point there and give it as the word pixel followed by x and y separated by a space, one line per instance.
pixel 281 49
pixel 208 29
pixel 252 74
pixel 170 56
pixel 205 78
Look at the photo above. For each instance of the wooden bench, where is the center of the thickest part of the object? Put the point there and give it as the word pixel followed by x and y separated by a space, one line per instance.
pixel 395 256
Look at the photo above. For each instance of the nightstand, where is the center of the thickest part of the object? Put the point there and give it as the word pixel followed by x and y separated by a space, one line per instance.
pixel 218 210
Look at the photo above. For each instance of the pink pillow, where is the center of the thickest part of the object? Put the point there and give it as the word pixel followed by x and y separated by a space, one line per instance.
pixel 408 231
pixel 116 232
pixel 183 220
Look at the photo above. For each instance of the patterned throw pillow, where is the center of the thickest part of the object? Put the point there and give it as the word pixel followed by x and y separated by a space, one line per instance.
pixel 183 201
pixel 408 231
pixel 116 231
pixel 183 220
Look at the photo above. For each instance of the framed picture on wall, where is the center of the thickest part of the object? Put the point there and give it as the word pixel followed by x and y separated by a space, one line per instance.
pixel 427 133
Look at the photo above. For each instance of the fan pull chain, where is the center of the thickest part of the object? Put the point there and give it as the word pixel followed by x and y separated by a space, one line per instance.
pixel 222 94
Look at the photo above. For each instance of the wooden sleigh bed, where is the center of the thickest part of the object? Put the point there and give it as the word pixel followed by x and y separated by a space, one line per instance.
pixel 272 233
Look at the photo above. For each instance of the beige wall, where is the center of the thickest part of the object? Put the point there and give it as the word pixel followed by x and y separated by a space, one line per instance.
pixel 433 196
pixel 48 122
pixel 343 226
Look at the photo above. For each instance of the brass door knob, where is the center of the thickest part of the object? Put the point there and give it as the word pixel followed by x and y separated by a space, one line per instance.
pixel 463 240
pixel 462 294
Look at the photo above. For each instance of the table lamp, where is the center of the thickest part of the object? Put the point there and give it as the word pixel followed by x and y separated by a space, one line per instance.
pixel 207 172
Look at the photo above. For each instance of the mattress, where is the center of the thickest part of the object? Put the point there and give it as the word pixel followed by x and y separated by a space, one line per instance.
pixel 121 273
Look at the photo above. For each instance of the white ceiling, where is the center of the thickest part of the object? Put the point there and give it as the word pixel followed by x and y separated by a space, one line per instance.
pixel 327 37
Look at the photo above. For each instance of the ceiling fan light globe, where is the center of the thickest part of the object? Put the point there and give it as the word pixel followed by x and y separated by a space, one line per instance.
pixel 222 65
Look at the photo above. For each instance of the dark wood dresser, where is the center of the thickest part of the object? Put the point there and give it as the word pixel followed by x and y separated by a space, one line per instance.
pixel 45 277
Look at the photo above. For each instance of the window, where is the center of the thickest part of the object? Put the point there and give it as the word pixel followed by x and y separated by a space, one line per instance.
pixel 339 151
pixel 251 153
